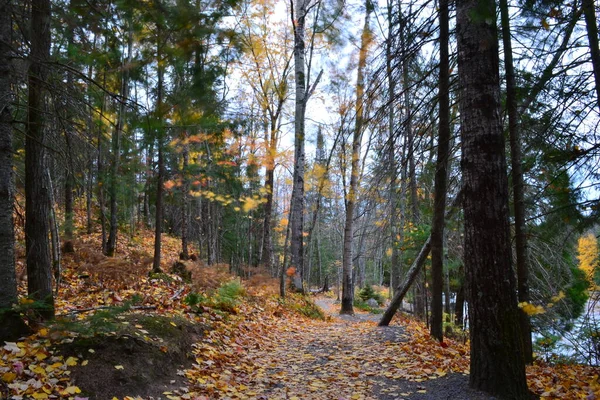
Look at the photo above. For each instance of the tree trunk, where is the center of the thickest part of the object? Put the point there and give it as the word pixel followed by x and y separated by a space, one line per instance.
pixel 410 139
pixel 297 200
pixel 460 301
pixel 11 324
pixel 161 163
pixel 347 283
pixel 116 151
pixel 88 193
pixel 69 178
pixel 69 187
pixel 159 211
pixel 517 181
pixel 37 195
pixel 185 208
pixel 497 362
pixel 267 251
pixel 592 33
pixel 441 178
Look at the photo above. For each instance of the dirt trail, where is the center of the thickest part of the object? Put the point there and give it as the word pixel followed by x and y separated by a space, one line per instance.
pixel 348 357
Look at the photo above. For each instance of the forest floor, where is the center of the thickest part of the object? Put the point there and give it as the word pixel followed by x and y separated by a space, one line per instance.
pixel 120 333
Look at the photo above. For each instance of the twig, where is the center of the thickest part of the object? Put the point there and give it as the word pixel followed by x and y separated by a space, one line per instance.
pixel 177 293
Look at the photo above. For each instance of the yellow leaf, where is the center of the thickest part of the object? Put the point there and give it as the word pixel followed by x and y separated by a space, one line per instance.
pixel 8 377
pixel 119 367
pixel 43 332
pixel 84 363
pixel 71 361
pixel 40 395
pixel 545 24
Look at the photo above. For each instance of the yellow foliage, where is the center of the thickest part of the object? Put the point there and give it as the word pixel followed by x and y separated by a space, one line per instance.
pixel 587 249
pixel 531 309
pixel 249 204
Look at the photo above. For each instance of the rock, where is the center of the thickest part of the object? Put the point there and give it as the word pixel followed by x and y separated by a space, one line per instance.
pixel 372 303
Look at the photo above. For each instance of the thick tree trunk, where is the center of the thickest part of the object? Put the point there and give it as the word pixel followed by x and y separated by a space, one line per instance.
pixel 37 195
pixel 497 362
pixel 441 178
pixel 347 281
pixel 517 181
pixel 297 200
pixel 11 324
pixel 591 23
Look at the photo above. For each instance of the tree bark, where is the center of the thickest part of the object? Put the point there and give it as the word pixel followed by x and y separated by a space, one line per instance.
pixel 517 182
pixel 297 200
pixel 267 251
pixel 11 324
pixel 441 177
pixel 185 208
pixel 497 362
pixel 347 281
pixel 116 151
pixel 161 163
pixel 37 195
pixel 592 33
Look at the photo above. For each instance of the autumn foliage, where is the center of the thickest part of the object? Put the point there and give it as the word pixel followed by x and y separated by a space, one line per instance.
pixel 253 345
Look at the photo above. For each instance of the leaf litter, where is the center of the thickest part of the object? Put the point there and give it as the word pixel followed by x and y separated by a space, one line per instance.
pixel 260 349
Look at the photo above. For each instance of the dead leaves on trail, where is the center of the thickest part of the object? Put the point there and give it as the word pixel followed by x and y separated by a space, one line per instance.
pixel 264 350
pixel 310 359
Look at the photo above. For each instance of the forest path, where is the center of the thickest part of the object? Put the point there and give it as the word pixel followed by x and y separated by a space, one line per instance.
pixel 344 358
pixel 331 308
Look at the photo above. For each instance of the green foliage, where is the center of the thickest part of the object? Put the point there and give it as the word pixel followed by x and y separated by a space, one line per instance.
pixel 361 305
pixel 161 276
pixel 31 309
pixel 102 321
pixel 304 305
pixel 229 295
pixel 368 292
pixel 546 346
pixel 226 298
pixel 577 294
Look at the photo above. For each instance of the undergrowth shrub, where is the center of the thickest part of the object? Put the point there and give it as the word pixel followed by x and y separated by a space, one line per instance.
pixel 226 298
pixel 362 305
pixel 368 292
pixel 102 321
pixel 304 305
